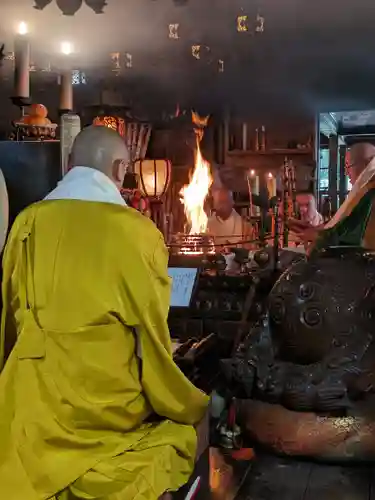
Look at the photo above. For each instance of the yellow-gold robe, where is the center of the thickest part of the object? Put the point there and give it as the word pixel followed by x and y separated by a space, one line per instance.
pixel 86 294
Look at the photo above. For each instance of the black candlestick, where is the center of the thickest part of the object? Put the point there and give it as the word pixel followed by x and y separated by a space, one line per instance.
pixel 21 102
pixel 65 112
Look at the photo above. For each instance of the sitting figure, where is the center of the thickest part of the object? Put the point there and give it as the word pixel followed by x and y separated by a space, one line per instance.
pixel 307 207
pixel 92 404
pixel 354 222
pixel 226 226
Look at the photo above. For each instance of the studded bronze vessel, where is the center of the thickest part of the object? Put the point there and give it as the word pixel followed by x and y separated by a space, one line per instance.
pixel 307 371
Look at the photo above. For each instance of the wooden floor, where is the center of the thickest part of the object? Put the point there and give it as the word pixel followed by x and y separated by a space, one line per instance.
pixel 274 478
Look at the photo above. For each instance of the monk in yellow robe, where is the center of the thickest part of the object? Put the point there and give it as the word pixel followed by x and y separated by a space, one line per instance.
pixel 92 405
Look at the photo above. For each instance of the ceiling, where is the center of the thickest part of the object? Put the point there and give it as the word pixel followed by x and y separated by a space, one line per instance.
pixel 312 56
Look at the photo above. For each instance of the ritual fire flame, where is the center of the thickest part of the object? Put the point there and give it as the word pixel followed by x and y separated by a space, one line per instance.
pixel 193 196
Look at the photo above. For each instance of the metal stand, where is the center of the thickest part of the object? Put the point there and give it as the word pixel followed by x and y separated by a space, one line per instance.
pixel 276 239
pixel 21 103
pixel 289 198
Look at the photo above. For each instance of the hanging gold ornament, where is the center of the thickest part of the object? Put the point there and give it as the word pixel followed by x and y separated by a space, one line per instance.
pixel 173 31
pixel 242 24
pixel 196 51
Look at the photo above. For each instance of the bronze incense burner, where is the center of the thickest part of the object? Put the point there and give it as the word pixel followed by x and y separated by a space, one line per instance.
pixel 306 372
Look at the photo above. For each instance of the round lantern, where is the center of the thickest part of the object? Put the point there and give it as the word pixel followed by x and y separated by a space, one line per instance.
pixel 154 176
pixel 114 122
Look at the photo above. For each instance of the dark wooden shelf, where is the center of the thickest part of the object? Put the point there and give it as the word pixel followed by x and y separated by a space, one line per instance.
pixel 271 152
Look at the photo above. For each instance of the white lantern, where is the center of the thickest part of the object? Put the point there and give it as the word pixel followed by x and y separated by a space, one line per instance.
pixel 154 176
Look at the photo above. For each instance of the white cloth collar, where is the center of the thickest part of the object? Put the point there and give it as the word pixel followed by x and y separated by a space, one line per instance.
pixel 87 184
pixel 223 221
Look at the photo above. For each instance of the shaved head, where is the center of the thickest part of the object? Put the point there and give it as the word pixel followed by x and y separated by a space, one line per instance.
pixel 103 149
pixel 222 202
pixel 360 155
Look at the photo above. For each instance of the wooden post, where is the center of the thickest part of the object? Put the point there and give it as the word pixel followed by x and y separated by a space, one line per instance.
pixel 332 173
pixel 342 179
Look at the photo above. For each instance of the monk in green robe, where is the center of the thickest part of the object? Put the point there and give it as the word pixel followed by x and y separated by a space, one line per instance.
pixel 354 222
pixel 92 405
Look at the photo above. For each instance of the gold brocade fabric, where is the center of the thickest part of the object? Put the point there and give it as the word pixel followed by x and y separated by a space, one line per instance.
pixel 86 294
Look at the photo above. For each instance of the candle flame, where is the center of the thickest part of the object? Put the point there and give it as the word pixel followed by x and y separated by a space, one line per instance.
pixel 22 28
pixel 66 48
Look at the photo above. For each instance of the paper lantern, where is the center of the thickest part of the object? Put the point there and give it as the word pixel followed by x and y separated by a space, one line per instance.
pixel 113 122
pixel 154 176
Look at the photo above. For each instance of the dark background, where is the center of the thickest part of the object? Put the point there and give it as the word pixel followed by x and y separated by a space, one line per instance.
pixel 312 56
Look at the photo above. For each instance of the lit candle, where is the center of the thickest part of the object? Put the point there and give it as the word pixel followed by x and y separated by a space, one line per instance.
pixel 253 187
pixel 244 136
pixel 22 63
pixel 271 185
pixel 66 81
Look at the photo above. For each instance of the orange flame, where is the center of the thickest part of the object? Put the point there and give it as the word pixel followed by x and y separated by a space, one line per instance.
pixel 195 193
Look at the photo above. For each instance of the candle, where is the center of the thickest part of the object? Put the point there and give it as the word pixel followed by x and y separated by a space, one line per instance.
pixel 66 91
pixel 22 64
pixel 244 136
pixel 271 185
